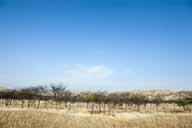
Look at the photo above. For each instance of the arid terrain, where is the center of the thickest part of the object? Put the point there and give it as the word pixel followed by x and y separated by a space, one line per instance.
pixel 95 64
pixel 26 108
pixel 15 118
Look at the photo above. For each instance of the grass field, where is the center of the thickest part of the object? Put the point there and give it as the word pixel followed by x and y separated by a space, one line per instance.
pixel 32 113
pixel 31 118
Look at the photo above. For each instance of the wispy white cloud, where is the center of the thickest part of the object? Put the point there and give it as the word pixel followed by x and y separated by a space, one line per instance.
pixel 83 73
pixel 83 77
pixel 72 75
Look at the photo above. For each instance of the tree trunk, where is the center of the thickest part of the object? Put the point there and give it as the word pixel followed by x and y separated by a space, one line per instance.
pixel 39 101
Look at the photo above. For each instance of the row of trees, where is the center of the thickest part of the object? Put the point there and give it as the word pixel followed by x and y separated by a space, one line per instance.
pixel 60 96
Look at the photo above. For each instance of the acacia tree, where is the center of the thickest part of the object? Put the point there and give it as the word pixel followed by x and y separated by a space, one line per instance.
pixel 59 91
pixel 113 101
pixel 77 98
pixel 39 93
pixel 125 98
pixel 25 94
pixel 89 98
pixel 9 96
pixel 158 99
pixel 183 103
pixel 65 97
pixel 138 99
pixel 99 98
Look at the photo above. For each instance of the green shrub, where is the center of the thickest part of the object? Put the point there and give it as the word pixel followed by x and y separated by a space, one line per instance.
pixel 183 103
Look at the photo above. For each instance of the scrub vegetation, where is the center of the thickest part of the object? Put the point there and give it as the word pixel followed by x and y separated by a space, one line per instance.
pixel 55 106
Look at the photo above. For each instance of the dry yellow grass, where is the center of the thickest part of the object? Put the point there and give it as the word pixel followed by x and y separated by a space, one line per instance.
pixel 40 119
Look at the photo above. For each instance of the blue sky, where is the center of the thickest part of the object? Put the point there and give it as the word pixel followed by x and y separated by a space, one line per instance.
pixel 114 46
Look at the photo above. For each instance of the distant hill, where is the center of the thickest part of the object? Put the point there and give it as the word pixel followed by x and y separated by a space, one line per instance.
pixel 3 89
pixel 149 94
pixel 164 94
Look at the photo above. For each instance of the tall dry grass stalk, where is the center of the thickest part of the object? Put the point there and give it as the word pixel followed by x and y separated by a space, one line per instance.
pixel 40 119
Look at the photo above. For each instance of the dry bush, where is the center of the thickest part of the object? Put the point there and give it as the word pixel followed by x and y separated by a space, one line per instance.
pixel 39 119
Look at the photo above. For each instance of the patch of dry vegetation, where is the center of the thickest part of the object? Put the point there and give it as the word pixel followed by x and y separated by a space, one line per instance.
pixel 57 107
pixel 40 119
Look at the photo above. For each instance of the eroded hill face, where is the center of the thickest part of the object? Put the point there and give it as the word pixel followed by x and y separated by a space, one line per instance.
pixel 4 89
pixel 162 94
